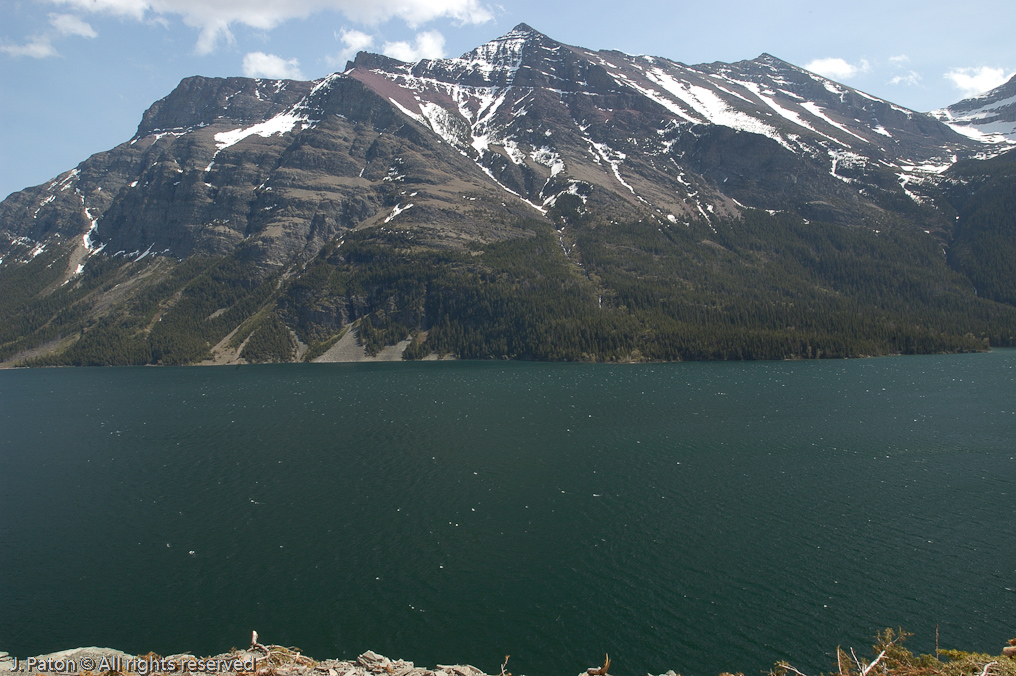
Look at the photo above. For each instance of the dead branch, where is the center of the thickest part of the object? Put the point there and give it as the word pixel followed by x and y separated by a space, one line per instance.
pixel 860 667
pixel 877 659
pixel 788 667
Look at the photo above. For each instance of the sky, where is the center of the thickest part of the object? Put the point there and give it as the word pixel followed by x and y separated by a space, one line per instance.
pixel 77 75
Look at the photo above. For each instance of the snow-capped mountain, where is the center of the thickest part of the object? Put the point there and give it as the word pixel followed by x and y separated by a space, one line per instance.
pixel 544 119
pixel 524 119
pixel 990 117
pixel 628 191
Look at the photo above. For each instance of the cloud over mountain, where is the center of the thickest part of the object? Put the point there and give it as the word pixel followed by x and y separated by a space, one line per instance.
pixel 837 68
pixel 974 81
pixel 428 45
pixel 214 18
pixel 259 64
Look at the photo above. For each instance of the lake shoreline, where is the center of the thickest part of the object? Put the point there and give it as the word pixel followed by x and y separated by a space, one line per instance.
pixel 265 660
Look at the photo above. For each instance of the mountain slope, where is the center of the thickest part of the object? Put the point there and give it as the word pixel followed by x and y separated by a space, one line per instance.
pixel 529 199
pixel 983 246
pixel 282 166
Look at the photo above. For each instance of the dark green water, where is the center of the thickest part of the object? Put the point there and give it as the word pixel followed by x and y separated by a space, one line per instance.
pixel 696 517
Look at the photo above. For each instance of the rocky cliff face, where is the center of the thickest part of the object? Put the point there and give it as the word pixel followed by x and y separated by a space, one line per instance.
pixel 280 167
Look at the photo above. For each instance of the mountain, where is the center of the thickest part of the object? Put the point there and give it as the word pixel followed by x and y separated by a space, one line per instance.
pixel 990 117
pixel 544 119
pixel 528 199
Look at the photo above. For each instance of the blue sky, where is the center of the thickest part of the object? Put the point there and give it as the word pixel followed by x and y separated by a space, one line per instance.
pixel 76 75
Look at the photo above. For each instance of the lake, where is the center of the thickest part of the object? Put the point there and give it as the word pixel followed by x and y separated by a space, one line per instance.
pixel 701 517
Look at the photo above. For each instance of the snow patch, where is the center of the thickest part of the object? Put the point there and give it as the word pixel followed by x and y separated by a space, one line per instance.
pixel 706 103
pixel 43 203
pixel 282 123
pixel 515 154
pixel 86 239
pixel 444 123
pixel 406 111
pixel 614 159
pixel 68 182
pixel 670 105
pixel 549 158
pixel 815 110
pixel 788 114
pixel 398 210
pixel 929 167
pixel 847 159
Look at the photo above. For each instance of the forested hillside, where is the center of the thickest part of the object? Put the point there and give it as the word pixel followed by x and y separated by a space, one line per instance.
pixel 760 287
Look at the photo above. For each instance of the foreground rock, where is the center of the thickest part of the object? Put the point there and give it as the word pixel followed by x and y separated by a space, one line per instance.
pixel 261 661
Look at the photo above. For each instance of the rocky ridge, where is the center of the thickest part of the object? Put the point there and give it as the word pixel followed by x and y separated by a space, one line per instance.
pixel 989 118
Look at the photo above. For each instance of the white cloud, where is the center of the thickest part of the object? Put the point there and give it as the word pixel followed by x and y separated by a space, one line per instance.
pixel 214 17
pixel 428 45
pixel 974 81
pixel 211 33
pixel 910 78
pixel 134 9
pixel 259 64
pixel 899 60
pixel 37 47
pixel 41 46
pixel 354 41
pixel 837 69
pixel 68 24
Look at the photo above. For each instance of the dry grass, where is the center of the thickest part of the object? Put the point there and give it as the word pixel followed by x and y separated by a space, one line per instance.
pixel 891 658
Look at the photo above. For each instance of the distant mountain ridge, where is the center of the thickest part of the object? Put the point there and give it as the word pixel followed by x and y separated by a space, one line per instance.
pixel 990 117
pixel 519 142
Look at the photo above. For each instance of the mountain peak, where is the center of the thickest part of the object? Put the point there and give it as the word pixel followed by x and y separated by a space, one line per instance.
pixel 506 52
pixel 370 61
pixel 990 116
pixel 767 59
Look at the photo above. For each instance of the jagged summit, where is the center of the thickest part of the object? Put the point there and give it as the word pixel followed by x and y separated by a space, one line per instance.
pixel 502 52
pixel 370 60
pixel 766 57
pixel 506 51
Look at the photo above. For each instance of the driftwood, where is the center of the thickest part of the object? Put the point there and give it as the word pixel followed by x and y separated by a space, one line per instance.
pixel 600 671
